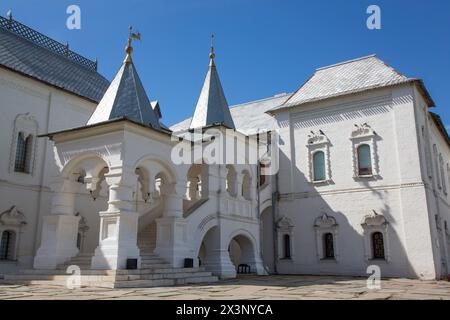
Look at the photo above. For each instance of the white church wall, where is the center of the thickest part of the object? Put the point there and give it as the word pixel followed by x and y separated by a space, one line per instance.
pixel 397 180
pixel 52 109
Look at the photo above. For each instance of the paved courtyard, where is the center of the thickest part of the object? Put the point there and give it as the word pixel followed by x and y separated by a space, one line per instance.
pixel 248 287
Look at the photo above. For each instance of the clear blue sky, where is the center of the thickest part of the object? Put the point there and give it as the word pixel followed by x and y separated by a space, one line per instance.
pixel 263 47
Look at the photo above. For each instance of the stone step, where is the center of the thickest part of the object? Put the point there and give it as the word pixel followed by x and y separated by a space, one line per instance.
pixel 154 265
pixel 145 283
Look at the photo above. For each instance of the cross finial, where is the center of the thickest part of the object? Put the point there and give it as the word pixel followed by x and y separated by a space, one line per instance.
pixel 129 48
pixel 211 53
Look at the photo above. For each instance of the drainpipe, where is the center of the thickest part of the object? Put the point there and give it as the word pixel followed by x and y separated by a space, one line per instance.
pixel 275 196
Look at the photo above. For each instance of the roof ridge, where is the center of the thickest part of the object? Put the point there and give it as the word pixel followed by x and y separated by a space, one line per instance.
pixel 279 95
pixel 46 42
pixel 346 61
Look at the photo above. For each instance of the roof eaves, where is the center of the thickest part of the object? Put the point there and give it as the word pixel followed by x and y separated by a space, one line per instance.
pixel 359 90
pixel 437 119
pixel 99 124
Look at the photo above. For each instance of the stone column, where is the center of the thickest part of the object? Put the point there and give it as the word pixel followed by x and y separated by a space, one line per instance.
pixel 119 224
pixel 60 228
pixel 239 185
pixel 171 239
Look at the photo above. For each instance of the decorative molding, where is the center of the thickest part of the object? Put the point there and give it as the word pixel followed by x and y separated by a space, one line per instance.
pixel 372 223
pixel 361 135
pixel 342 112
pixel 104 152
pixel 12 217
pixel 318 142
pixel 322 225
pixel 303 195
pixel 363 130
pixel 28 125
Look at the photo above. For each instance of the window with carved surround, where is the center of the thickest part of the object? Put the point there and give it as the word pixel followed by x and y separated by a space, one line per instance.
pixel 285 239
pixel 364 152
pixel 376 240
pixel 23 144
pixel 11 223
pixel 319 167
pixel 326 229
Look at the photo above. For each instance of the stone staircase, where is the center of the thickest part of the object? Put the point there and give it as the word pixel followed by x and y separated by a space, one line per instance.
pixel 154 272
pixel 142 278
pixel 82 260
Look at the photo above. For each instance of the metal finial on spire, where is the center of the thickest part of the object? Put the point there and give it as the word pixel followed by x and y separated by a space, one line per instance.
pixel 9 15
pixel 129 48
pixel 211 53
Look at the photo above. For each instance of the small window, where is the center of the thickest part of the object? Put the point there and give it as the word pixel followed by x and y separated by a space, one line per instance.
pixel 328 246
pixel 7 245
pixel 287 246
pixel 21 153
pixel 364 160
pixel 319 166
pixel 378 245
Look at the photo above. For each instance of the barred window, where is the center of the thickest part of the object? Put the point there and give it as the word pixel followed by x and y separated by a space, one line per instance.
pixel 378 245
pixel 7 245
pixel 328 246
pixel 21 153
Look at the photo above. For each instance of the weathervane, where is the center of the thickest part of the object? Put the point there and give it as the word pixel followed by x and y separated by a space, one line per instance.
pixel 211 53
pixel 129 48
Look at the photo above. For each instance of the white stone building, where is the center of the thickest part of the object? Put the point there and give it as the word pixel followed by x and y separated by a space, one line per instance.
pixel 88 176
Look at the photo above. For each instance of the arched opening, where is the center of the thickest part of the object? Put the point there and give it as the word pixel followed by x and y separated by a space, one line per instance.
pixel 209 248
pixel 91 197
pixel 364 160
pixel 197 186
pixel 231 180
pixel 268 239
pixel 242 254
pixel 246 185
pixel 7 245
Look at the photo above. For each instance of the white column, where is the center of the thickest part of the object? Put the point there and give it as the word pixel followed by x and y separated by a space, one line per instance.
pixel 60 228
pixel 119 224
pixel 171 235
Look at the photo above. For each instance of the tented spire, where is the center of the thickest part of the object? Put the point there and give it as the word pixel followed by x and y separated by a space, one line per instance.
pixel 212 107
pixel 126 96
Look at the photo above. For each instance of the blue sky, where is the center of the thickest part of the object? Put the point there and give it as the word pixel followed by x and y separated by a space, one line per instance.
pixel 263 47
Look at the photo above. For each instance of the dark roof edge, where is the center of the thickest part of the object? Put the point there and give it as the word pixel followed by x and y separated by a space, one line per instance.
pixel 441 127
pixel 419 82
pixel 99 124
pixel 49 84
pixel 46 42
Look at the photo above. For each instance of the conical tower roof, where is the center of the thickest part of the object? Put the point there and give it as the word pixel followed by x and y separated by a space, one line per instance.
pixel 126 97
pixel 212 107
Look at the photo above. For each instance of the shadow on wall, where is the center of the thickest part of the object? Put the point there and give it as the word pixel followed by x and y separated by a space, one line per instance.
pixel 344 220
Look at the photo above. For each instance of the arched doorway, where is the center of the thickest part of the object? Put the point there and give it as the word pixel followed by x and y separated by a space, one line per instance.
pixel 242 253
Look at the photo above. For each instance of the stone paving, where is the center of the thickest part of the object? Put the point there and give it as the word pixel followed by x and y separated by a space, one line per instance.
pixel 247 287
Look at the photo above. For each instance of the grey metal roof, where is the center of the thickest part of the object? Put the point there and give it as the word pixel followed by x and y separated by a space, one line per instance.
pixel 126 97
pixel 212 107
pixel 345 78
pixel 250 117
pixel 32 54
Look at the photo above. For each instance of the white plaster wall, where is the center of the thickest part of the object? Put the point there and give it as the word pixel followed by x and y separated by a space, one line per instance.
pixel 53 110
pixel 398 193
